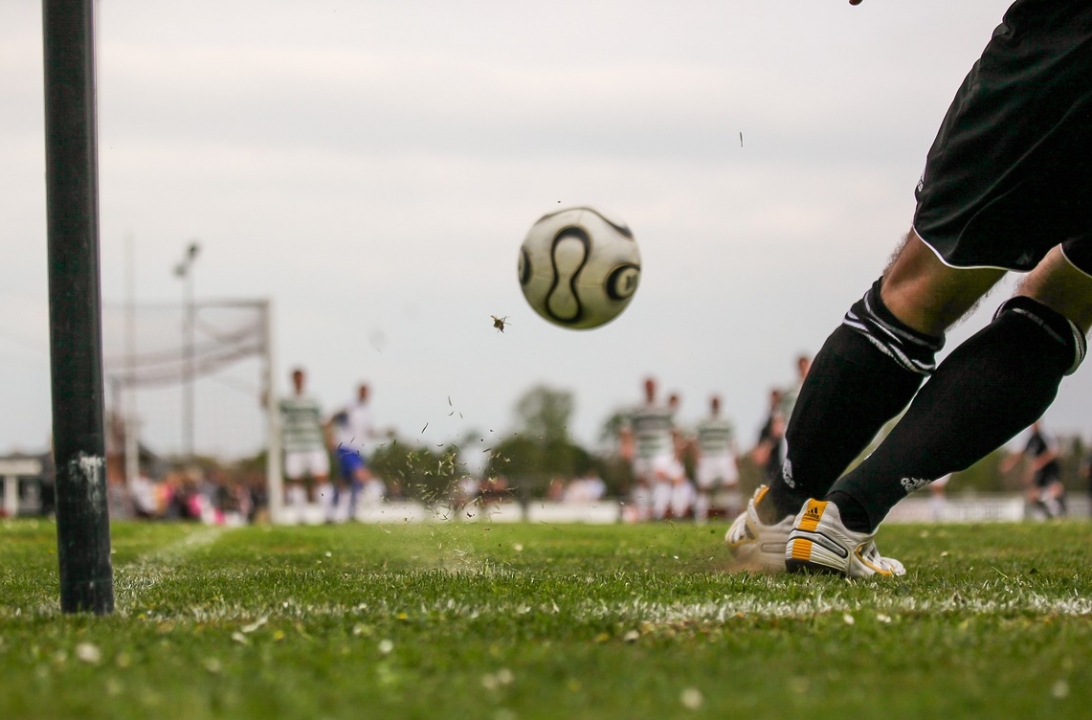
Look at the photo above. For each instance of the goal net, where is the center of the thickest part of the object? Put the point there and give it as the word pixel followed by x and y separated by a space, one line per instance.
pixel 185 382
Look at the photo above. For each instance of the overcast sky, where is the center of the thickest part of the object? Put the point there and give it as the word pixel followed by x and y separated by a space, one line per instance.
pixel 373 167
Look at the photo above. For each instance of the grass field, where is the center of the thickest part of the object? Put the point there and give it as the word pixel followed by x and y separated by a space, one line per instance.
pixel 534 621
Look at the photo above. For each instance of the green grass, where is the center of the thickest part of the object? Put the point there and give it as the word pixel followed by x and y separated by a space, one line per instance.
pixel 535 621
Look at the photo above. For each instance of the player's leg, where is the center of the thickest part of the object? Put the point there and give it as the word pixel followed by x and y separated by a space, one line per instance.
pixel 865 374
pixel 1057 494
pixel 319 466
pixel 640 504
pixel 350 464
pixel 1033 502
pixel 1003 184
pixel 990 388
pixel 361 476
pixel 706 479
pixel 295 471
pixel 869 369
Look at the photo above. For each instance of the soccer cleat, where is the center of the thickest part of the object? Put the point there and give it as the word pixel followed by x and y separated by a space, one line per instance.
pixel 819 542
pixel 755 544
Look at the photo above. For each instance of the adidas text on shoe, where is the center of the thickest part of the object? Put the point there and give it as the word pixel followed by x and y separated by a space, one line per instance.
pixel 756 545
pixel 819 542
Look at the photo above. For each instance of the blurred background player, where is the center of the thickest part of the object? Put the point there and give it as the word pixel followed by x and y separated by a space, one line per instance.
pixel 648 442
pixel 673 478
pixel 791 393
pixel 717 468
pixel 679 437
pixel 682 495
pixel 769 451
pixel 1045 491
pixel 304 447
pixel 352 430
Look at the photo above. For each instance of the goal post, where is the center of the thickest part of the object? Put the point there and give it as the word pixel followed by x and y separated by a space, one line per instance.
pixel 203 374
pixel 72 229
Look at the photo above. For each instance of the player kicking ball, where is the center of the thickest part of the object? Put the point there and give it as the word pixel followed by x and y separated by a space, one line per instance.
pixel 1005 188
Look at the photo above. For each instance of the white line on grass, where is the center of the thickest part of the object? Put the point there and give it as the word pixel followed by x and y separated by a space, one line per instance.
pixel 130 579
pixel 637 611
pixel 149 569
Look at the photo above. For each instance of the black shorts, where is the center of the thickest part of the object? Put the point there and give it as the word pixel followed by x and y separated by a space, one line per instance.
pixel 1009 175
pixel 1046 479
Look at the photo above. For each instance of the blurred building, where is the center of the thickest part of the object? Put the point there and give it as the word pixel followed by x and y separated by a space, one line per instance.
pixel 26 484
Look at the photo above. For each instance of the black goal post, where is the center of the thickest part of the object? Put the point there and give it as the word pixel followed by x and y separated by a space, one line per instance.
pixel 79 444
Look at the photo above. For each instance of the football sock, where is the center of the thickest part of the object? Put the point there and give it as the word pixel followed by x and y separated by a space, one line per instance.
pixel 990 388
pixel 864 375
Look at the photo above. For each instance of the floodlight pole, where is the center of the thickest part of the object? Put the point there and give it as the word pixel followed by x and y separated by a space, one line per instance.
pixel 75 322
pixel 184 270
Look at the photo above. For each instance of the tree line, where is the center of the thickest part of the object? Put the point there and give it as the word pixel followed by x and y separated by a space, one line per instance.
pixel 541 448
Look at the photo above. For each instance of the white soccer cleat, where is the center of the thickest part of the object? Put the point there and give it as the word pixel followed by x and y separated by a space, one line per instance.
pixel 819 542
pixel 755 544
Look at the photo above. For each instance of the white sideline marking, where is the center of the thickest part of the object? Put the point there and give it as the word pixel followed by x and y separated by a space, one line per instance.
pixel 131 578
pixel 639 611
pixel 147 570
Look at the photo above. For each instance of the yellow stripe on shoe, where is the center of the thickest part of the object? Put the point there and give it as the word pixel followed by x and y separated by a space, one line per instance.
pixel 878 569
pixel 801 549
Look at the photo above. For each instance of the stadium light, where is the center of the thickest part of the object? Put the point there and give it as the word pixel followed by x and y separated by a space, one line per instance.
pixel 184 271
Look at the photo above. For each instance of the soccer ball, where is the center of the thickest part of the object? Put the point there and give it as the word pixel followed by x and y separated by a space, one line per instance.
pixel 579 268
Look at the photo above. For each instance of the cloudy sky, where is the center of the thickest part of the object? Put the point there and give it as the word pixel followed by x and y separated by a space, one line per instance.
pixel 373 167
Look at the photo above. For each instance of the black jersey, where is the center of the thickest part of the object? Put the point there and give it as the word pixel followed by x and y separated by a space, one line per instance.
pixel 1039 444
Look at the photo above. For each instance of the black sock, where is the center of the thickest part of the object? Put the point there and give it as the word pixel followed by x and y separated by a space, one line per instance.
pixel 865 374
pixel 854 515
pixel 990 388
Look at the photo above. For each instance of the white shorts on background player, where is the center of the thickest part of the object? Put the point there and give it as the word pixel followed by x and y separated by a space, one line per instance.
pixel 716 470
pixel 682 499
pixel 298 465
pixel 661 499
pixel 649 469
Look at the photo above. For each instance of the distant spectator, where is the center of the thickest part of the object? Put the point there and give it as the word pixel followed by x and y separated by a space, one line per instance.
pixel 145 496
pixel 589 488
pixel 494 491
pixel 464 492
pixel 938 502
pixel 557 491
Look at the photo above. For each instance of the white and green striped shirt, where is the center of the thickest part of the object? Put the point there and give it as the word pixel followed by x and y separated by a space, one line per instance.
pixel 301 424
pixel 652 426
pixel 715 437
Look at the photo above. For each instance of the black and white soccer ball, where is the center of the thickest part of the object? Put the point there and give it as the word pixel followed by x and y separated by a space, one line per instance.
pixel 579 267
